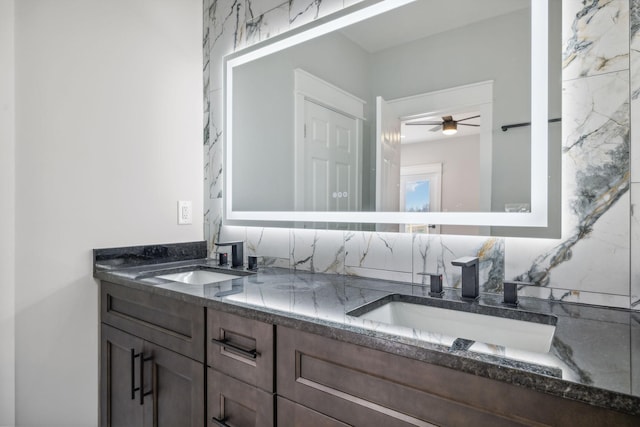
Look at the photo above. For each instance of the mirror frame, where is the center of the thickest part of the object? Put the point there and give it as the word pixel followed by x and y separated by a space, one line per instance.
pixel 537 217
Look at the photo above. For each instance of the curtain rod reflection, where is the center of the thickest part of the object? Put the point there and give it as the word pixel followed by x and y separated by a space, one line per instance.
pixel 517 125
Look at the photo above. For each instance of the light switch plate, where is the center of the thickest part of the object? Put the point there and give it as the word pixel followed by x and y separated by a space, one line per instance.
pixel 184 212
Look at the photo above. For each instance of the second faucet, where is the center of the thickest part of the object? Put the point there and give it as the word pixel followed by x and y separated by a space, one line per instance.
pixel 470 276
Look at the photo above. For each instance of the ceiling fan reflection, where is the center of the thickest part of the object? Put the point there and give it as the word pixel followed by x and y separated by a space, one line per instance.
pixel 448 125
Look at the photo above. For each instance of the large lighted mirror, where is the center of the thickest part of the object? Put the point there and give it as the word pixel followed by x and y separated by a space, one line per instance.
pixel 421 116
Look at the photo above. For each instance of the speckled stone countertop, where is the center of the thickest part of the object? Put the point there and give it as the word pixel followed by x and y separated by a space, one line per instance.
pixel 594 356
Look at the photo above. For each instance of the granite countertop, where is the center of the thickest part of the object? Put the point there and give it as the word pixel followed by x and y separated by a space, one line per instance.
pixel 594 356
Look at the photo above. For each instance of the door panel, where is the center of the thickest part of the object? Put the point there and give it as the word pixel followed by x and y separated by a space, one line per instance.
pixel 176 384
pixel 318 191
pixel 117 371
pixel 332 160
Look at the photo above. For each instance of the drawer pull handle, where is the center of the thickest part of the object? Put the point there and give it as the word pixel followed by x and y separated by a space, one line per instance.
pixel 141 388
pixel 219 422
pixel 133 375
pixel 251 354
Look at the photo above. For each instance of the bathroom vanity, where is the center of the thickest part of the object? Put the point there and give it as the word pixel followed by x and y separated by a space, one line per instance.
pixel 278 348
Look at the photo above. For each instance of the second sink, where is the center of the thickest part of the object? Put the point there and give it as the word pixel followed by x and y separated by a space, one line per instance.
pixel 492 325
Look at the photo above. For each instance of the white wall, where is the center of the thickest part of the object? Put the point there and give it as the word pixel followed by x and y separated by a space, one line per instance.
pixel 7 214
pixel 109 137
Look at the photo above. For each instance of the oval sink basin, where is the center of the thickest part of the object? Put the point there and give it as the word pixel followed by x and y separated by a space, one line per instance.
pixel 505 327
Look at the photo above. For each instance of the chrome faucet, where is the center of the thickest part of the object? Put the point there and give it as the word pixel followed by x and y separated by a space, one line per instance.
pixel 237 253
pixel 470 276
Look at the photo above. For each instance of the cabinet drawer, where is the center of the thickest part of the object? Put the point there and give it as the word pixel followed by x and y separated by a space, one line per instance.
pixel 241 348
pixel 235 403
pixel 293 415
pixel 165 321
pixel 338 379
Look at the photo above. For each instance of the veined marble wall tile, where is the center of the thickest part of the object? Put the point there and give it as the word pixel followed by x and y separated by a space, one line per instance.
pixel 595 148
pixel 595 180
pixel 213 160
pixel 270 245
pixel 600 262
pixel 635 88
pixel 206 61
pixel 635 160
pixel 227 22
pixel 232 233
pixel 212 222
pixel 380 251
pixel 303 11
pixel 522 255
pixel 318 251
pixel 575 296
pixel 373 273
pixel 256 8
pixel 434 253
pixel 635 247
pixel 596 37
pixel 635 110
pixel 266 22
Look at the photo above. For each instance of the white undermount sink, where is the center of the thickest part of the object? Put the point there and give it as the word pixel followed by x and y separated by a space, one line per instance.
pixel 198 277
pixel 526 335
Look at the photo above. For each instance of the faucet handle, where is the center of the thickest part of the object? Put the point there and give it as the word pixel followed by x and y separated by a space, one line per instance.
pixel 511 292
pixel 435 284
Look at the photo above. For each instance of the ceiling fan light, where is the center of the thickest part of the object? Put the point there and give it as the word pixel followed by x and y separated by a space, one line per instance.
pixel 449 128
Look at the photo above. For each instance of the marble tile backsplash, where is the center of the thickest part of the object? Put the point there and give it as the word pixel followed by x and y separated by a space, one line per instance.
pixel 591 263
pixel 635 151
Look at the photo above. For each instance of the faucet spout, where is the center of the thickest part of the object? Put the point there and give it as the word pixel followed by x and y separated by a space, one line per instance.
pixel 237 252
pixel 470 276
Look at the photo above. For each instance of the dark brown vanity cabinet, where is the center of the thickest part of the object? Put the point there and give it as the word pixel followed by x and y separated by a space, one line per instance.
pixel 240 382
pixel 363 387
pixel 160 368
pixel 144 381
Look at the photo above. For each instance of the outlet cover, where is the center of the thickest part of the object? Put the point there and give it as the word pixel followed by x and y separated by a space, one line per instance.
pixel 185 212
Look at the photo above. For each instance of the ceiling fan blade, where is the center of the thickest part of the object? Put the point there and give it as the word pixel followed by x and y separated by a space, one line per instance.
pixel 468 118
pixel 422 123
pixel 435 128
pixel 467 124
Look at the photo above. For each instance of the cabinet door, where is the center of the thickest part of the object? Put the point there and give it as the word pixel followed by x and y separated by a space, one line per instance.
pixel 174 385
pixel 119 399
pixel 234 403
